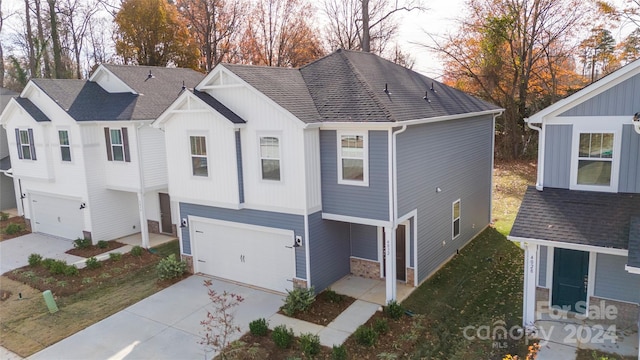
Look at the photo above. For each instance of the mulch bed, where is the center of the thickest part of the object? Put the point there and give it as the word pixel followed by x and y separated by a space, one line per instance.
pixel 61 285
pixel 325 308
pixel 14 220
pixel 94 250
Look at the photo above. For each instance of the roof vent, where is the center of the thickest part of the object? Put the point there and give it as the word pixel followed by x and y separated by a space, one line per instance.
pixel 183 86
pixel 426 96
pixel 150 76
pixel 386 89
pixel 432 88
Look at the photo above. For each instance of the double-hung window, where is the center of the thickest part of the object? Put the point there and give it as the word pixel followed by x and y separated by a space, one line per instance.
pixel 199 163
pixel 455 219
pixel 65 148
pixel 595 159
pixel 25 143
pixel 117 142
pixel 270 157
pixel 352 159
pixel 117 146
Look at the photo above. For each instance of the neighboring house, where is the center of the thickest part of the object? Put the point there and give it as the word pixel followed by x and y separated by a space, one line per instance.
pixel 580 225
pixel 302 176
pixel 7 192
pixel 88 163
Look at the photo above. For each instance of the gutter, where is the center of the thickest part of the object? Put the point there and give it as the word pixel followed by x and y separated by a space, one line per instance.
pixel 144 229
pixel 541 144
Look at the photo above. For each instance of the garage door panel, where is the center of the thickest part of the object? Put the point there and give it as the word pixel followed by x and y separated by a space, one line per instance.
pixel 247 255
pixel 56 216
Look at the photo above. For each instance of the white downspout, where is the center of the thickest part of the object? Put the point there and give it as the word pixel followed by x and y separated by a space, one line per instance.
pixel 144 229
pixel 541 144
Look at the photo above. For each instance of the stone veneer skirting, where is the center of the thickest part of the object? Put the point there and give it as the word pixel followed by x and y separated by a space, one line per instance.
pixel 542 294
pixel 189 260
pixel 365 268
pixel 410 276
pixel 628 316
pixel 153 226
pixel 299 283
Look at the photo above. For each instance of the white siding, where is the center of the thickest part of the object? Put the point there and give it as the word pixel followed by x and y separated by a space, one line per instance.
pixel 152 151
pixel 110 82
pixel 32 169
pixel 152 205
pixel 265 118
pixel 312 168
pixel 120 175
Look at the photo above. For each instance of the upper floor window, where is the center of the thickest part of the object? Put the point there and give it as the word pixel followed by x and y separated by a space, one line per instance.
pixel 270 157
pixel 595 159
pixel 199 164
pixel 65 148
pixel 352 159
pixel 455 219
pixel 26 146
pixel 117 142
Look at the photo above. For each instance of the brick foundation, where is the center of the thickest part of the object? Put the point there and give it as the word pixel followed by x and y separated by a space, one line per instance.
pixel 410 276
pixel 87 235
pixel 299 283
pixel 627 317
pixel 153 226
pixel 189 260
pixel 365 268
pixel 27 223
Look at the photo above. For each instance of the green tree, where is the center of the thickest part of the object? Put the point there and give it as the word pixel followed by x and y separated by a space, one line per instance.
pixel 631 47
pixel 597 53
pixel 151 32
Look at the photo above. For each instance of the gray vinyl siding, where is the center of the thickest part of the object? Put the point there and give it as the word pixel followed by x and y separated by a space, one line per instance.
pixel 542 270
pixel 239 165
pixel 456 157
pixel 251 217
pixel 411 243
pixel 621 99
pixel 371 201
pixel 7 194
pixel 364 241
pixel 328 251
pixel 613 281
pixel 629 161
pixel 557 156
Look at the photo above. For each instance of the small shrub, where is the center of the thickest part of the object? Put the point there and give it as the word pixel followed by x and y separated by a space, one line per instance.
pixel 12 229
pixel 58 267
pixel 259 327
pixel 47 263
pixel 170 267
pixel 394 310
pixel 93 263
pixel 381 326
pixel 87 280
pixel 333 296
pixel 116 270
pixel 339 353
pixel 365 335
pixel 81 243
pixel 310 344
pixel 298 299
pixel 71 270
pixel 35 260
pixel 115 256
pixel 30 275
pixel 105 275
pixel 282 336
pixel 102 244
pixel 62 283
pixel 48 280
pixel 4 216
pixel 136 251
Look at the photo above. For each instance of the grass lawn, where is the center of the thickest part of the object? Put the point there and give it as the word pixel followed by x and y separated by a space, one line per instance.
pixel 510 182
pixel 26 326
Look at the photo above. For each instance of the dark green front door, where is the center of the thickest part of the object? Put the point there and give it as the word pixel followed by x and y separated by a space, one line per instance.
pixel 570 269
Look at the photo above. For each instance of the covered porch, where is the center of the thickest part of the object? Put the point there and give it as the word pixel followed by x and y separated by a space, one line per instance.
pixel 370 290
pixel 154 239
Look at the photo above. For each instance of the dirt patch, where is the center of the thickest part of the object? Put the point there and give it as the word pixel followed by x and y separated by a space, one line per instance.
pixel 325 308
pixel 19 220
pixel 94 250
pixel 4 294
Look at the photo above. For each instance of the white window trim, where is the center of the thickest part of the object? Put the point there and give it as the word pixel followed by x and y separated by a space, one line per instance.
pixel 121 145
pixel 365 157
pixel 593 127
pixel 70 161
pixel 28 144
pixel 206 145
pixel 453 219
pixel 278 136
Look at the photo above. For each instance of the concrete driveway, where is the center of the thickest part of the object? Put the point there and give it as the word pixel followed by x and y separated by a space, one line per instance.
pixel 165 325
pixel 15 252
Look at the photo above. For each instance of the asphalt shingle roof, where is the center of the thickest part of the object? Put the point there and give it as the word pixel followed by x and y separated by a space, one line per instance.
pixel 577 217
pixel 87 101
pixel 219 107
pixel 634 243
pixel 5 163
pixel 349 86
pixel 32 109
pixel 5 96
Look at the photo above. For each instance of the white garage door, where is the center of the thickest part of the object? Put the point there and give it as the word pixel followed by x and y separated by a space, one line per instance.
pixel 253 255
pixel 56 216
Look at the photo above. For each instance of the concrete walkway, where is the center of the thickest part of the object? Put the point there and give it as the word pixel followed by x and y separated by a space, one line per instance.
pixel 14 253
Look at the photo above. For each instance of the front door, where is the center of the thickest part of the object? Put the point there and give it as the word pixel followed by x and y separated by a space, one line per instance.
pixel 165 214
pixel 570 274
pixel 401 270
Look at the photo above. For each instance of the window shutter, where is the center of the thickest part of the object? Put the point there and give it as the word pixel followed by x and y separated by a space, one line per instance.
pixel 125 144
pixel 107 140
pixel 32 145
pixel 18 144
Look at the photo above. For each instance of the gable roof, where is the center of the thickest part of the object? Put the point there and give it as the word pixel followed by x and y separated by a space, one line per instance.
pixel 349 86
pixel 590 91
pixel 577 217
pixel 5 97
pixel 219 107
pixel 85 100
pixel 32 109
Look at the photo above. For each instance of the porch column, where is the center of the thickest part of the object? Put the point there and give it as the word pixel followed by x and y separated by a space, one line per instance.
pixel 390 263
pixel 144 229
pixel 529 294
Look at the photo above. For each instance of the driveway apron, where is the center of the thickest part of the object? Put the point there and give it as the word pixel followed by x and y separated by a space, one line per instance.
pixel 14 253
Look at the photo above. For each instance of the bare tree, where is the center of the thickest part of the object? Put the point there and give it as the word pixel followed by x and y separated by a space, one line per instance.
pixel 59 68
pixel 29 34
pixel 42 48
pixel 76 18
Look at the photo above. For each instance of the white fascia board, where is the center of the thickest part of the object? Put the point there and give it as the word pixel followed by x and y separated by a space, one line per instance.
pixel 103 70
pixel 12 106
pixel 566 245
pixel 632 269
pixel 166 115
pixel 157 123
pixel 586 93
pixel 355 220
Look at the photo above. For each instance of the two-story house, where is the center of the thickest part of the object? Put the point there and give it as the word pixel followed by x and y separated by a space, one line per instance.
pixel 7 192
pixel 350 164
pixel 86 160
pixel 580 224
